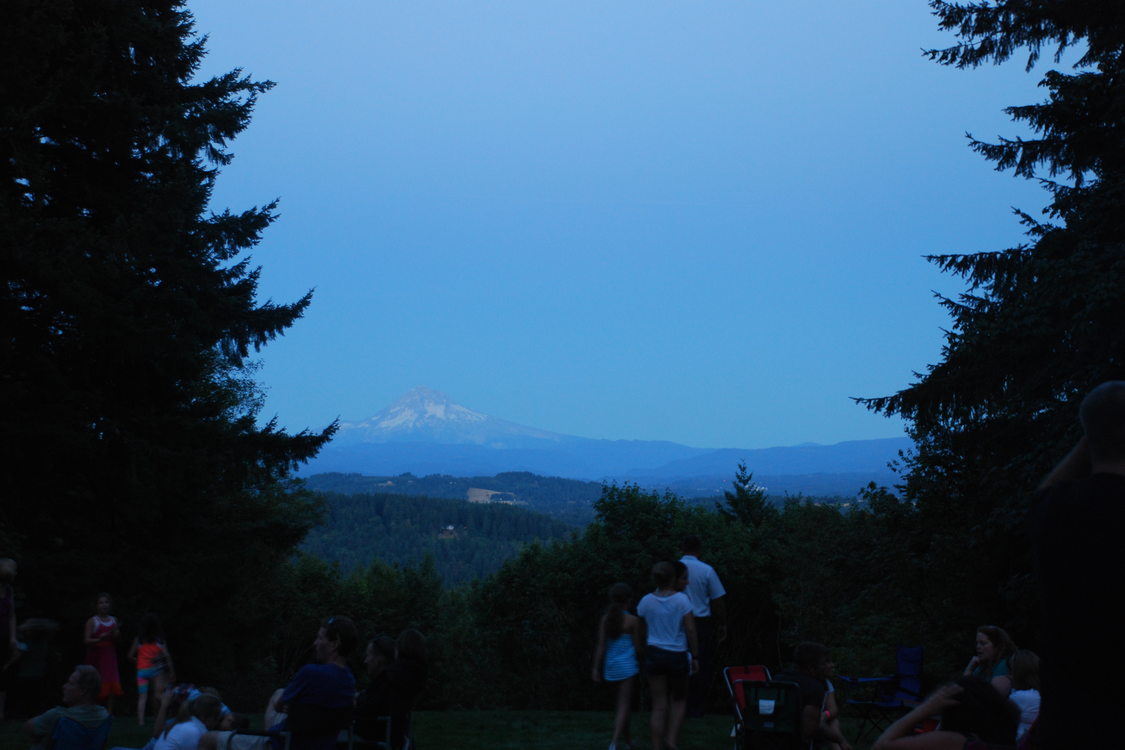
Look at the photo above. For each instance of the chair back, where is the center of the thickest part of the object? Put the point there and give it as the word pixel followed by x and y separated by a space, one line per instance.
pixel 70 735
pixel 772 715
pixel 737 677
pixel 908 673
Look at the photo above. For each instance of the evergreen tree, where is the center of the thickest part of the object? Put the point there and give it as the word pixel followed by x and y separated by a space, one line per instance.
pixel 1039 324
pixel 134 460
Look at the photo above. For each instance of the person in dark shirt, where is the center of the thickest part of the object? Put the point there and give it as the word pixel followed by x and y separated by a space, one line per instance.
pixel 1077 524
pixel 812 666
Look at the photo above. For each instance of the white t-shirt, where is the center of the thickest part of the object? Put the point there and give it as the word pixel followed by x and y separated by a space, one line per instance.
pixel 664 618
pixel 1028 702
pixel 703 585
pixel 182 736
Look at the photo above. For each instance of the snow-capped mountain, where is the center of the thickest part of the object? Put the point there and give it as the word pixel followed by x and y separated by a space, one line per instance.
pixel 425 432
pixel 424 415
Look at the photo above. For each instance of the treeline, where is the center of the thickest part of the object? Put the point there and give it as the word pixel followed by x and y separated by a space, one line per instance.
pixel 466 541
pixel 524 637
pixel 569 500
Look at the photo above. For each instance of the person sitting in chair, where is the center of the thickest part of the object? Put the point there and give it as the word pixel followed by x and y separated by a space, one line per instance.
pixel 812 667
pixel 79 704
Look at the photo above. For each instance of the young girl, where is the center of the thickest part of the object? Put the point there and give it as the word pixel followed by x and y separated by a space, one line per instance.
pixel 669 654
pixel 1025 688
pixel 616 657
pixel 101 649
pixel 154 662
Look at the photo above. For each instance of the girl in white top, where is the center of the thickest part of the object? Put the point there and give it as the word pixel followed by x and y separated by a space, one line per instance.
pixel 670 645
pixel 1025 688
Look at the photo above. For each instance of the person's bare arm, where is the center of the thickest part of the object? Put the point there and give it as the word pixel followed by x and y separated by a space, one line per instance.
pixel 719 617
pixel 89 638
pixel 599 652
pixel 1074 465
pixel 693 641
pixel 899 736
pixel 133 651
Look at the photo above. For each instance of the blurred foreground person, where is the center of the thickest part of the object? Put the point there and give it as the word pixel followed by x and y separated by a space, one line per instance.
pixel 79 704
pixel 1077 525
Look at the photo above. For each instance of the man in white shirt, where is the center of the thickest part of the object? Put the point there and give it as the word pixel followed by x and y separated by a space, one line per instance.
pixel 706 593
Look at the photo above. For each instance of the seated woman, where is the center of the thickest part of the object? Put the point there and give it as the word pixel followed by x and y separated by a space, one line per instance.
pixel 974 716
pixel 406 676
pixel 994 649
pixel 373 704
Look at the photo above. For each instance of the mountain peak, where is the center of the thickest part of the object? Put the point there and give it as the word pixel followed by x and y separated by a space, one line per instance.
pixel 425 415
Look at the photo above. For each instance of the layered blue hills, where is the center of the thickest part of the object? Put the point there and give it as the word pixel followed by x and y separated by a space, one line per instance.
pixel 425 432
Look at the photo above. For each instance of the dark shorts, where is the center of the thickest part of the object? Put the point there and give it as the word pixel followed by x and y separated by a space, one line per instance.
pixel 660 662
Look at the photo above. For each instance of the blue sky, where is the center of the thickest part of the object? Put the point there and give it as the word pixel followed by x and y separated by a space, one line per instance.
pixel 700 222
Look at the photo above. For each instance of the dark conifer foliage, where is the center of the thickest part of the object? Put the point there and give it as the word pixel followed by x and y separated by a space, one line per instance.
pixel 128 312
pixel 1038 324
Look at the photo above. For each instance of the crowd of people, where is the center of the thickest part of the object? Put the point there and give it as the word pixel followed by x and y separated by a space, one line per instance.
pixel 320 706
pixel 1079 511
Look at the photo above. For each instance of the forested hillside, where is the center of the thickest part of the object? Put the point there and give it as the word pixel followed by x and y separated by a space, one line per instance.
pixel 569 500
pixel 467 541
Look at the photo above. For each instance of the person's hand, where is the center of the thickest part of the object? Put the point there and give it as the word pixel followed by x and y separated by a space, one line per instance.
pixel 596 675
pixel 973 664
pixel 721 633
pixel 694 665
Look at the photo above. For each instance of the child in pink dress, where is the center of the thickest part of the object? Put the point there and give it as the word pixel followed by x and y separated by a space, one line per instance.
pixel 101 649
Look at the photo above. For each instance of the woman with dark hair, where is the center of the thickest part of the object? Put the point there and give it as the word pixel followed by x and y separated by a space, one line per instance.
pixel 406 677
pixel 670 654
pixel 973 717
pixel 994 648
pixel 374 702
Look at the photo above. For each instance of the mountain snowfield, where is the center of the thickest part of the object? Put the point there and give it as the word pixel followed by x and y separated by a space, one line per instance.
pixel 426 432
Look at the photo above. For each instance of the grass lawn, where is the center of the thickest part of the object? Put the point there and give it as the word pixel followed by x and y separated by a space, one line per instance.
pixel 484 730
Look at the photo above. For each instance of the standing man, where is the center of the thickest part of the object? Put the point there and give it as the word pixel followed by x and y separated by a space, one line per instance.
pixel 1077 527
pixel 706 593
pixel 79 704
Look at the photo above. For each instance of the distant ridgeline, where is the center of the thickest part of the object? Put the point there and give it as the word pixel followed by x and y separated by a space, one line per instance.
pixel 466 540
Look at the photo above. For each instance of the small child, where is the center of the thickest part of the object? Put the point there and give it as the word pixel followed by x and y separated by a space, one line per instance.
pixel 154 662
pixel 1025 688
pixel 617 657
pixel 101 648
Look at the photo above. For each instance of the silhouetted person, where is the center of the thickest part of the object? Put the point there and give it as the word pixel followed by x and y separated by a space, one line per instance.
pixel 706 593
pixel 1078 524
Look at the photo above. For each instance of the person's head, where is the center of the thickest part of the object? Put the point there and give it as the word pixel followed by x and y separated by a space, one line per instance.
pixel 993 644
pixel 411 646
pixel 1102 414
pixel 82 687
pixel 232 722
pixel 663 575
pixel 335 639
pixel 981 711
pixel 620 593
pixel 103 604
pixel 681 581
pixel 1025 670
pixel 691 545
pixel 7 570
pixel 812 658
pixel 380 652
pixel 150 631
pixel 208 709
